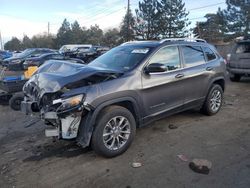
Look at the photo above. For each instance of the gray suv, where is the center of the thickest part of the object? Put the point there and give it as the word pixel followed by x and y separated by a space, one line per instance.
pixel 101 104
pixel 239 60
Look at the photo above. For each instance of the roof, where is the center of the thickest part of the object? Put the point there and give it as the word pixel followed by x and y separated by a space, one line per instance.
pixel 156 43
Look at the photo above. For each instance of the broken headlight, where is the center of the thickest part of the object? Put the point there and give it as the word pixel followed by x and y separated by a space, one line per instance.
pixel 70 102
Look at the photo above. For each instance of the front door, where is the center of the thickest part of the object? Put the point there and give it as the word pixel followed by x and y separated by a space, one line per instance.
pixel 163 91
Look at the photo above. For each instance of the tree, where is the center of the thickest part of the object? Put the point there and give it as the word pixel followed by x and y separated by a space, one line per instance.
pixel 27 42
pixel 43 41
pixel 237 17
pixel 111 38
pixel 94 35
pixel 14 44
pixel 148 20
pixel 64 34
pixel 77 33
pixel 173 19
pixel 213 29
pixel 127 30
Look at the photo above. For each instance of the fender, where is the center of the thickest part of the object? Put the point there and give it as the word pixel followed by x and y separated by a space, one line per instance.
pixel 88 122
pixel 212 82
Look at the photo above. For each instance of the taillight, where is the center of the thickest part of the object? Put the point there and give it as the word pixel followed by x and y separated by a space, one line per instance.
pixel 228 57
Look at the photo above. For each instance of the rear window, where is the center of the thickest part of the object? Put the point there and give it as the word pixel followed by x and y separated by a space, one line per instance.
pixel 243 48
pixel 193 55
pixel 209 54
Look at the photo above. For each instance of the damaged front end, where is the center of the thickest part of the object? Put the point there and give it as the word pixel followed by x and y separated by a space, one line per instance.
pixel 58 95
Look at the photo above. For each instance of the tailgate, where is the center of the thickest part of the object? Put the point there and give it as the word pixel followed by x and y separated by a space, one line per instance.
pixel 241 56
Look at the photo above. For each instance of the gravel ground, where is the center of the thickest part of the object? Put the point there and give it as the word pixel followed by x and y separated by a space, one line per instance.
pixel 28 159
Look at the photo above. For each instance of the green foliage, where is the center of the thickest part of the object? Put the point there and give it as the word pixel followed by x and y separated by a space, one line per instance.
pixel 173 19
pixel 27 42
pixel 111 38
pixel 94 35
pixel 64 35
pixel 77 33
pixel 237 16
pixel 148 20
pixel 212 30
pixel 13 44
pixel 43 41
pixel 161 19
pixel 127 31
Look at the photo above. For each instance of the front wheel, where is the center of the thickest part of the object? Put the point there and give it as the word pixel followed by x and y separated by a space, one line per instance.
pixel 15 101
pixel 114 131
pixel 213 100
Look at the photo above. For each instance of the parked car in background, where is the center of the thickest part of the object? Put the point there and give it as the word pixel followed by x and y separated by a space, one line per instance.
pixel 88 55
pixel 16 62
pixel 5 55
pixel 102 103
pixel 238 62
pixel 38 61
pixel 85 52
pixel 70 50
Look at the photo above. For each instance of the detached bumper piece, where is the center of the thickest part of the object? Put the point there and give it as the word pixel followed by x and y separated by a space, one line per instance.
pixel 26 107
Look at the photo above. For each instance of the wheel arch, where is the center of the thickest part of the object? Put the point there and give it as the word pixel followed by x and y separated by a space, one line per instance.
pixel 88 123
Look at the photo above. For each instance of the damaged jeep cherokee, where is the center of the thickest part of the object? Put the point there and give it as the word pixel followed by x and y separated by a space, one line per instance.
pixel 101 104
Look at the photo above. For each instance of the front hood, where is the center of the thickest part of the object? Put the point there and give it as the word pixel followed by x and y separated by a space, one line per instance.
pixel 12 59
pixel 55 75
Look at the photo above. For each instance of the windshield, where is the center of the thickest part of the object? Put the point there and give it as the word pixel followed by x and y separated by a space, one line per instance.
pixel 121 58
pixel 243 48
pixel 25 53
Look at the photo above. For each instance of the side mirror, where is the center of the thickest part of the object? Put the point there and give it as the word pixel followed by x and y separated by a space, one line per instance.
pixel 155 67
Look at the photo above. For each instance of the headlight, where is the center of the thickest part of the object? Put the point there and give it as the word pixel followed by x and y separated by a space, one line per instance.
pixel 69 102
pixel 16 61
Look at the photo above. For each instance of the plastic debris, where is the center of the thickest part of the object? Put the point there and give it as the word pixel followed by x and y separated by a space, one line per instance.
pixel 183 158
pixel 136 165
pixel 201 166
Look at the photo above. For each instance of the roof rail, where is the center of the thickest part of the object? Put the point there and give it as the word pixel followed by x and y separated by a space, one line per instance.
pixel 183 39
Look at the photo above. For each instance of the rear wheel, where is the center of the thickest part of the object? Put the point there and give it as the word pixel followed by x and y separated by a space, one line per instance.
pixel 235 77
pixel 15 101
pixel 213 100
pixel 114 131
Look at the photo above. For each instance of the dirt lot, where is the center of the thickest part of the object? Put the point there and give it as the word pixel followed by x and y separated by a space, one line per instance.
pixel 28 159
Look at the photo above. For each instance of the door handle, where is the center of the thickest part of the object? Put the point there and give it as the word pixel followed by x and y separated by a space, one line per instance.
pixel 179 75
pixel 209 68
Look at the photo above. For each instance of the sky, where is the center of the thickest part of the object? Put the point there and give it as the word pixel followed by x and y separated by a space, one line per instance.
pixel 30 17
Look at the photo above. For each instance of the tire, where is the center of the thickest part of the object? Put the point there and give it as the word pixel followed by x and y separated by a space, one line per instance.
pixel 235 77
pixel 15 101
pixel 115 142
pixel 208 106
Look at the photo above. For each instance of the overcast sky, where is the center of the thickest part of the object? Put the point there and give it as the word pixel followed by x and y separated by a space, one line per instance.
pixel 30 17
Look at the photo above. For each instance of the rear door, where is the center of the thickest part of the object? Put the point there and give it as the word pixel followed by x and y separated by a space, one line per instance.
pixel 241 56
pixel 196 73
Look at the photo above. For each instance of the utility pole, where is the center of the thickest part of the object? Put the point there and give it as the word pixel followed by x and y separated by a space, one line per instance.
pixel 1 41
pixel 128 21
pixel 48 28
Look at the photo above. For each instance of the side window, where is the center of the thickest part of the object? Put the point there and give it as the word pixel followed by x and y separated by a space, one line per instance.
pixel 169 56
pixel 209 54
pixel 193 55
pixel 57 57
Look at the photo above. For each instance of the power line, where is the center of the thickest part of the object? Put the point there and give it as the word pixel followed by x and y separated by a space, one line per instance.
pixel 197 18
pixel 207 6
pixel 100 15
pixel 104 16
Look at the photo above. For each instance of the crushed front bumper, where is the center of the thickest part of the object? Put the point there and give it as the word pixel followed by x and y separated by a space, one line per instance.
pixel 64 124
